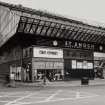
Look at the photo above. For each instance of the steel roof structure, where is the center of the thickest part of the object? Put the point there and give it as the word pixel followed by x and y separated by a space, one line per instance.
pixel 18 19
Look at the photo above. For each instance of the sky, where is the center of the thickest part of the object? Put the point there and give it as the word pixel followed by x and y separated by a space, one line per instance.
pixel 91 11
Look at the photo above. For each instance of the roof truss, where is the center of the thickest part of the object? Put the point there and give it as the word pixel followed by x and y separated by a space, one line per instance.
pixel 54 29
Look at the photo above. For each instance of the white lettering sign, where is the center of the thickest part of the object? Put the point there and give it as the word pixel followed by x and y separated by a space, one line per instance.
pixel 47 52
pixel 79 45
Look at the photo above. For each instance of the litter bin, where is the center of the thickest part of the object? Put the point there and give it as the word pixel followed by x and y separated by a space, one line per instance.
pixel 84 81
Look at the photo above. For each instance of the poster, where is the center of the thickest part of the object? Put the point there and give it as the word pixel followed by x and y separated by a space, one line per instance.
pixel 79 65
pixel 85 66
pixel 74 64
pixel 90 65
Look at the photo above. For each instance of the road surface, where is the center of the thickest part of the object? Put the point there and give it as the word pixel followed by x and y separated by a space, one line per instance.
pixel 84 95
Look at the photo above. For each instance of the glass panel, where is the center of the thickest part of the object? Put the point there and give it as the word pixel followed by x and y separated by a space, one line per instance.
pixel 85 66
pixel 27 28
pixel 79 65
pixel 42 22
pixel 53 24
pixel 90 65
pixel 54 32
pixel 30 20
pixel 36 21
pixel 33 29
pixel 44 30
pixel 58 25
pixel 49 31
pixel 59 33
pixel 39 29
pixel 48 23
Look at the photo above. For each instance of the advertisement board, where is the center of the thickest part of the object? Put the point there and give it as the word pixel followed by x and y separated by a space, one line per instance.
pixel 47 52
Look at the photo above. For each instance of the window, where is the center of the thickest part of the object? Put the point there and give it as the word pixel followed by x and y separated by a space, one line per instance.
pixel 90 65
pixel 16 70
pixel 79 65
pixel 74 66
pixel 84 64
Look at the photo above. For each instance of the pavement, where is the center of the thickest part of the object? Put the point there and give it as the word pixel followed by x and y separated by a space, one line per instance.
pixel 75 83
pixel 45 97
pixel 37 95
pixel 95 82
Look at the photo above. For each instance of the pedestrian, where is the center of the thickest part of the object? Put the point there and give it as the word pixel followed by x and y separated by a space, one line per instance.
pixel 12 79
pixel 7 79
pixel 44 80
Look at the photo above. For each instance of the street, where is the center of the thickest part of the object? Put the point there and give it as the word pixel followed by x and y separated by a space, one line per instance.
pixel 84 95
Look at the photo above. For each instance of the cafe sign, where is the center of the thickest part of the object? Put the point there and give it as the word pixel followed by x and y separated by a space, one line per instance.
pixel 47 52
pixel 79 45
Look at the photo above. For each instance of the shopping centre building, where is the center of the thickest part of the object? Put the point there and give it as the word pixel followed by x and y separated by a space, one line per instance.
pixel 34 44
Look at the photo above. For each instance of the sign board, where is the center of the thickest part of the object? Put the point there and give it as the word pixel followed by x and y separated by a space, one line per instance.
pixel 99 56
pixel 47 52
pixel 79 45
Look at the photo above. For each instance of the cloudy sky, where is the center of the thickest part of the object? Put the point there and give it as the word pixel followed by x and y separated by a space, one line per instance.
pixel 88 10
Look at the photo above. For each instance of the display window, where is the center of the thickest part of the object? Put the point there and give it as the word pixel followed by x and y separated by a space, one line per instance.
pixel 90 65
pixel 79 65
pixel 85 66
pixel 16 70
pixel 76 64
pixel 51 75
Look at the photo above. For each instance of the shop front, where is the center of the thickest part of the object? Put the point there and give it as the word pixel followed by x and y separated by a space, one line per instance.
pixel 78 64
pixel 78 60
pixel 61 61
pixel 99 65
pixel 47 62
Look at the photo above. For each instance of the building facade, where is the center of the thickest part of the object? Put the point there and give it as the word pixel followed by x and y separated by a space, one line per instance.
pixel 35 44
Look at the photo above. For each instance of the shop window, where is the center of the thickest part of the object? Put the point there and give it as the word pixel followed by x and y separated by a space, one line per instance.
pixel 39 29
pixel 16 71
pixel 79 65
pixel 90 65
pixel 85 66
pixel 74 65
pixel 51 74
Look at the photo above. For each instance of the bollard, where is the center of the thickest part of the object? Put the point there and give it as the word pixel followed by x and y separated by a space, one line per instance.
pixel 44 80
